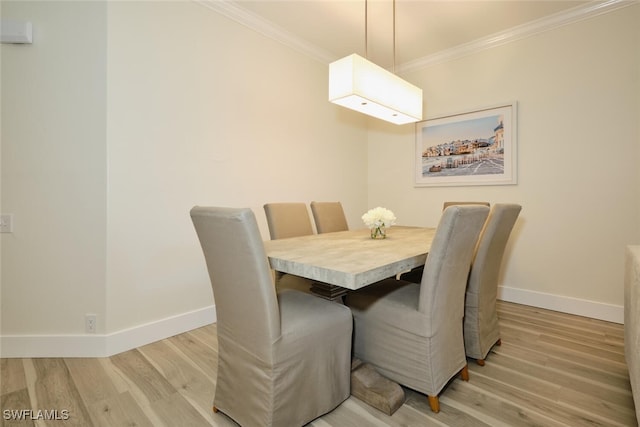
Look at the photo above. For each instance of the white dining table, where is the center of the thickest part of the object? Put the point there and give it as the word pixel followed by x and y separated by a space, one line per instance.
pixel 351 259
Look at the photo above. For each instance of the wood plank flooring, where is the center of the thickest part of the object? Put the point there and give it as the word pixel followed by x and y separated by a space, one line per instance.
pixel 552 369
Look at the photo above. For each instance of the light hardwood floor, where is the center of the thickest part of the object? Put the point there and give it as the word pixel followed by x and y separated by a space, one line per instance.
pixel 552 369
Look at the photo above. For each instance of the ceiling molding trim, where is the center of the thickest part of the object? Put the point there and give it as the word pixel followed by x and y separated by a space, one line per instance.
pixel 517 33
pixel 233 11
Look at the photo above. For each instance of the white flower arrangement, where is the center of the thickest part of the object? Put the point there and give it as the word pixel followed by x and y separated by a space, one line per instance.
pixel 379 217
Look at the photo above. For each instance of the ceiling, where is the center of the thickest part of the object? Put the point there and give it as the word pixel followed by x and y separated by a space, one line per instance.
pixel 331 29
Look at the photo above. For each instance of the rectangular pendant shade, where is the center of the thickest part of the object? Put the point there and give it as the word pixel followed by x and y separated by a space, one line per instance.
pixel 361 85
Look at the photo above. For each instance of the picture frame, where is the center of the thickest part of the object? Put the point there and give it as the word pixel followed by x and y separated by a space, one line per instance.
pixel 471 148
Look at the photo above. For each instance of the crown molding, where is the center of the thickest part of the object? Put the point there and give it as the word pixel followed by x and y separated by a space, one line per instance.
pixel 233 10
pixel 529 29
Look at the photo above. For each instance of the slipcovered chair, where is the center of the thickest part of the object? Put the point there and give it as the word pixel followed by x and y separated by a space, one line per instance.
pixel 415 275
pixel 283 358
pixel 289 220
pixel 481 329
pixel 412 333
pixel 329 217
pixel 447 204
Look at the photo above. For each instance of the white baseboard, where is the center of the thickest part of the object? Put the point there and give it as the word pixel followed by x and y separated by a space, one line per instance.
pixel 580 307
pixel 105 345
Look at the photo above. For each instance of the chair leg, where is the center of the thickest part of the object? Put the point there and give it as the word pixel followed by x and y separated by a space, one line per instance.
pixel 464 373
pixel 481 361
pixel 434 403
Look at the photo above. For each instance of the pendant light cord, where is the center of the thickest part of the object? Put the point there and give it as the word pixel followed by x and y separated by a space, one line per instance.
pixel 366 39
pixel 394 36
pixel 366 33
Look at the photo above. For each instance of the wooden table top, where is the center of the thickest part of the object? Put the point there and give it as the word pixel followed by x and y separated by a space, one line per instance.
pixel 351 259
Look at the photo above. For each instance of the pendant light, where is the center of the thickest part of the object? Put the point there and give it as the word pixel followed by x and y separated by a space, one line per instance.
pixel 359 84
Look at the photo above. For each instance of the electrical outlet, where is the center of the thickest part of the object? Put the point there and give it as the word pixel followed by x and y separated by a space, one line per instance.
pixel 90 323
pixel 6 223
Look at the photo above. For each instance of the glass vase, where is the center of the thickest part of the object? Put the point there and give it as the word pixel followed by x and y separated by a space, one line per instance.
pixel 378 232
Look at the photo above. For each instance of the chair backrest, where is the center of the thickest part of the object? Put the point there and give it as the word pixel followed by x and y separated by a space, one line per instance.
pixel 246 304
pixel 329 217
pixel 446 270
pixel 447 204
pixel 485 268
pixel 288 220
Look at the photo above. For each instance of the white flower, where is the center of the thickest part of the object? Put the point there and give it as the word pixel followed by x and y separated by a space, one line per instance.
pixel 379 217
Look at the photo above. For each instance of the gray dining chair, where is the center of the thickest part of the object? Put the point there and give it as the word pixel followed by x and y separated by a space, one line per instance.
pixel 412 333
pixel 284 358
pixel 415 275
pixel 289 220
pixel 481 329
pixel 329 217
pixel 445 205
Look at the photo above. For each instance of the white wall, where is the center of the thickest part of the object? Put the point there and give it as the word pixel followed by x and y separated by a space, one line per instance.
pixel 145 111
pixel 208 113
pixel 54 169
pixel 578 95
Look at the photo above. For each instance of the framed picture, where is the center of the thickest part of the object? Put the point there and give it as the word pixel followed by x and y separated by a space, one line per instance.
pixel 473 148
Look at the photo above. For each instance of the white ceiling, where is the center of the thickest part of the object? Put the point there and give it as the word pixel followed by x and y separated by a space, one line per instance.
pixel 331 29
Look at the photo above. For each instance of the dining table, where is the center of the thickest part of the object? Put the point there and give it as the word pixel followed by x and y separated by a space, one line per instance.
pixel 348 260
